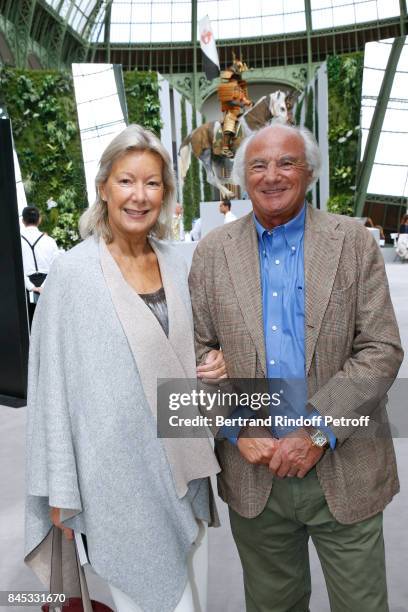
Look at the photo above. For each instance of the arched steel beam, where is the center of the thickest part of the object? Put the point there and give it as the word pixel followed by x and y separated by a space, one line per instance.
pixel 21 14
pixel 403 16
pixel 309 29
pixel 90 26
pixel 377 121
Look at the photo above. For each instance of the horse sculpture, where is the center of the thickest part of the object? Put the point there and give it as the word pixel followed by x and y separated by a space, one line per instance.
pixel 205 143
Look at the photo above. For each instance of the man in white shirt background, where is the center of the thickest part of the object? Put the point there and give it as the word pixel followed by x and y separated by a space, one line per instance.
pixel 225 209
pixel 39 251
pixel 177 229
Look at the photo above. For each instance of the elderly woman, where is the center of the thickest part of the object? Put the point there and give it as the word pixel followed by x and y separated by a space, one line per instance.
pixel 115 316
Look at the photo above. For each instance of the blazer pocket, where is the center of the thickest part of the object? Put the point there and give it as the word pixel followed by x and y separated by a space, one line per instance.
pixel 339 313
pixel 341 295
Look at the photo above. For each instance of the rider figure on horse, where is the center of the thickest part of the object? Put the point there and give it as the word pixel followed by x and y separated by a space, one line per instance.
pixel 233 94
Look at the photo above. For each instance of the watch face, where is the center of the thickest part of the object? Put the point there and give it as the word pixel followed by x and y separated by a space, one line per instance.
pixel 319 439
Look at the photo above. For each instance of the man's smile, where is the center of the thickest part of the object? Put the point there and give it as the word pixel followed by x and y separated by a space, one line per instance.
pixel 274 190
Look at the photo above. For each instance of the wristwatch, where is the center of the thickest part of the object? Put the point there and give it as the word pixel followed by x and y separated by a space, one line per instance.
pixel 317 437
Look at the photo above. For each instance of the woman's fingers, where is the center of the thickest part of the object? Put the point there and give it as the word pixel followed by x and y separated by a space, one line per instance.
pixel 55 515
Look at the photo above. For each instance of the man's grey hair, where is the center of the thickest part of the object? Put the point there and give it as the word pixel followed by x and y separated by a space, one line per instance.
pixel 312 152
pixel 94 220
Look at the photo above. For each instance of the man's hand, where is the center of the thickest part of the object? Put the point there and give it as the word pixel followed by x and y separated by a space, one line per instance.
pixel 295 455
pixel 55 514
pixel 257 445
pixel 214 366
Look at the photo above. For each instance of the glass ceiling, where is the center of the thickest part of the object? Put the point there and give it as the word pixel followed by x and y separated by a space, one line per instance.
pixel 77 13
pixel 151 21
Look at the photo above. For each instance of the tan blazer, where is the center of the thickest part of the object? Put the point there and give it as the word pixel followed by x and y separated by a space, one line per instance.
pixel 353 353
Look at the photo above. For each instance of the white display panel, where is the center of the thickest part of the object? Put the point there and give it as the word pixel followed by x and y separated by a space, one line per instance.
pixel 100 115
pixel 21 195
pixel 165 114
pixel 177 131
pixel 389 174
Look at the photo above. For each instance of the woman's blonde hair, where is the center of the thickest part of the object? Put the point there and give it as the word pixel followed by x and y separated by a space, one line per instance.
pixel 94 221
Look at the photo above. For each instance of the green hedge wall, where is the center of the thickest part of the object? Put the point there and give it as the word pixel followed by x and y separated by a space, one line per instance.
pixel 345 75
pixel 41 105
pixel 142 98
pixel 191 185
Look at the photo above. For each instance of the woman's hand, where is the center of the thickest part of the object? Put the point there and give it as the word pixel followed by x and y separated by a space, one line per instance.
pixel 55 514
pixel 214 366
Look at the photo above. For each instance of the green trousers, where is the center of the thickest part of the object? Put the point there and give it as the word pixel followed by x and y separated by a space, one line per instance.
pixel 274 553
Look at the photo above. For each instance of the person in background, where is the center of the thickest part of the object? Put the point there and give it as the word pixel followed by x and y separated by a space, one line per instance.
pixel 403 228
pixel 370 224
pixel 402 242
pixel 177 228
pixel 225 209
pixel 195 233
pixel 39 251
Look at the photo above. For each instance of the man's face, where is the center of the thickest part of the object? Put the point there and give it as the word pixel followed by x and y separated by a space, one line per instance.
pixel 276 175
pixel 222 208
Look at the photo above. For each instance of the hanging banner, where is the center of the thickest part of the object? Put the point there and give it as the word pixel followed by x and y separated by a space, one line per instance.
pixel 211 63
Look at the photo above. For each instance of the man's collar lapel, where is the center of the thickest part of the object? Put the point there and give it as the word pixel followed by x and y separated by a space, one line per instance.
pixel 323 246
pixel 241 251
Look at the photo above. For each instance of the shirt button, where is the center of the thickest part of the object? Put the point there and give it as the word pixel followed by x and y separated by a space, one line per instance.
pixel 274 327
pixel 277 262
pixel 293 248
pixel 272 362
pixel 274 293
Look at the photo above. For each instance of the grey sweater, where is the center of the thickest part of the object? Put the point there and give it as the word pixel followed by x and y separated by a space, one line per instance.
pixel 92 448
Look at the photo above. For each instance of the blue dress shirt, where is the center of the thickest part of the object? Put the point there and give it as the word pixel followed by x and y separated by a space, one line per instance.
pixel 282 271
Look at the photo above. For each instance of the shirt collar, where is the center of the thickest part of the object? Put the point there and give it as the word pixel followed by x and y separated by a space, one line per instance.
pixel 293 229
pixel 31 229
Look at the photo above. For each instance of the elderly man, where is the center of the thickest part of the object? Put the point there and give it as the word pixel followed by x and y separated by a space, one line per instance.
pixel 290 292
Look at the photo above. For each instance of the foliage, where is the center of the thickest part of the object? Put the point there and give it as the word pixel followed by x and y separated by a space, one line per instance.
pixel 142 97
pixel 345 81
pixel 65 232
pixel 41 106
pixel 188 205
pixel 298 110
pixel 309 120
pixel 341 204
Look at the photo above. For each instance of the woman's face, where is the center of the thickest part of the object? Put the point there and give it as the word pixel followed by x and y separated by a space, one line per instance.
pixel 134 194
